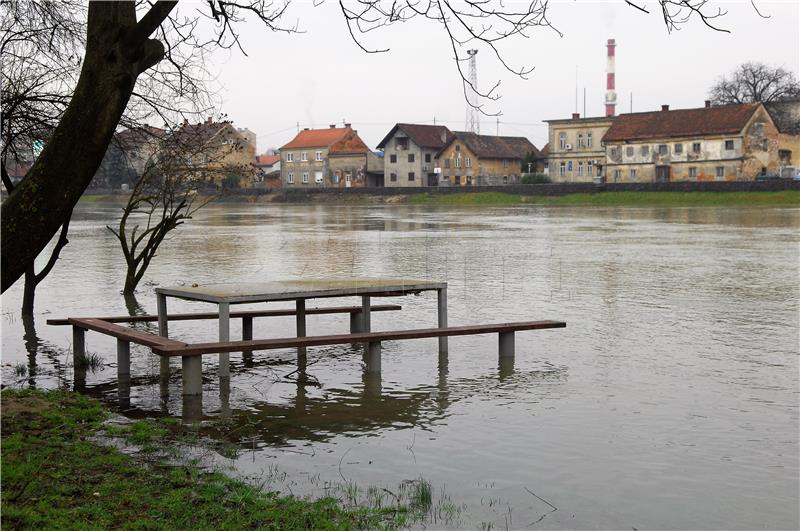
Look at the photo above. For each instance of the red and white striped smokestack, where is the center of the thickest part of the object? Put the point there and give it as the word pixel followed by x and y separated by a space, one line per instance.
pixel 611 96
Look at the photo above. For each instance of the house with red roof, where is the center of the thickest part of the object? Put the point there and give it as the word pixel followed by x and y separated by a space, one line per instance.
pixel 268 170
pixel 723 143
pixel 335 157
pixel 410 154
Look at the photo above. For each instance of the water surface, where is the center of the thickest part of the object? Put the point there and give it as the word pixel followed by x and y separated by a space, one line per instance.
pixel 669 401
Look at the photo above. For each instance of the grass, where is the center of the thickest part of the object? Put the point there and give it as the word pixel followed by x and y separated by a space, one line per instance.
pixel 787 198
pixel 54 476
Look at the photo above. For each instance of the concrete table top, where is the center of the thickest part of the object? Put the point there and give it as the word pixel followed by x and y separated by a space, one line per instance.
pixel 299 289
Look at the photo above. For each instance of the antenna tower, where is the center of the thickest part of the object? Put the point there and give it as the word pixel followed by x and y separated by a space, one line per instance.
pixel 473 123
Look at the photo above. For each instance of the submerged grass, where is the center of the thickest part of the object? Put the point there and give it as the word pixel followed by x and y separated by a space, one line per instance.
pixel 53 476
pixel 790 198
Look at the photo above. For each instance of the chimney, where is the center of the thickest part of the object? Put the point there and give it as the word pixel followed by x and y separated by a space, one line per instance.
pixel 333 126
pixel 208 120
pixel 708 104
pixel 306 129
pixel 347 125
pixel 575 116
pixel 611 95
pixel 665 107
pixel 185 121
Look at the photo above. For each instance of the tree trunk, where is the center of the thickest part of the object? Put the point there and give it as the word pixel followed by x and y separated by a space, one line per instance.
pixel 29 293
pixel 115 56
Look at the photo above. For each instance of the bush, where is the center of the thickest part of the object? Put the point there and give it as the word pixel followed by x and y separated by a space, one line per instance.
pixel 535 178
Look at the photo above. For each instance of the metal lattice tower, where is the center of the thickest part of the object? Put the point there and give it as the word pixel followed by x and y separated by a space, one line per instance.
pixel 473 123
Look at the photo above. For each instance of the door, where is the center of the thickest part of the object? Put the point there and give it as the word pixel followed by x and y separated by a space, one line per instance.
pixel 663 174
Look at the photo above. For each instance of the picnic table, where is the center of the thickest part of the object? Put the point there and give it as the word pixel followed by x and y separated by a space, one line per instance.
pixel 299 291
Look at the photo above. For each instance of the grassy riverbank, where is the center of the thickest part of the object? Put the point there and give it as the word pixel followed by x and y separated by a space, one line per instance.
pixel 55 476
pixel 782 198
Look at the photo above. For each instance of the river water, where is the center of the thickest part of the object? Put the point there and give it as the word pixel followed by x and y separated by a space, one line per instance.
pixel 669 401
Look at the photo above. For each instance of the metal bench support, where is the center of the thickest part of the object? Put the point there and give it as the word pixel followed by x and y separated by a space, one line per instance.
pixel 442 311
pixel 224 335
pixel 356 320
pixel 506 344
pixel 192 375
pixel 300 314
pixel 373 357
pixel 123 358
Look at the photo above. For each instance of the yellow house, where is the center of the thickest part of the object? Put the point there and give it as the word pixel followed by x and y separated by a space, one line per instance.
pixel 786 116
pixel 469 159
pixel 575 152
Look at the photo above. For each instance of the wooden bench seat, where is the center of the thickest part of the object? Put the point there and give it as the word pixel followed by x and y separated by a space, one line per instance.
pixel 196 349
pixel 241 314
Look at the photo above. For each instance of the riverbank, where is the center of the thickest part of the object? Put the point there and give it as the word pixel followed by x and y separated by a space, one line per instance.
pixel 775 198
pixel 56 474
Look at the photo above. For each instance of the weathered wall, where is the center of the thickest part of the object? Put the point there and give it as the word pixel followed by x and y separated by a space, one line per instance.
pixel 401 167
pixel 297 167
pixel 467 169
pixel 344 169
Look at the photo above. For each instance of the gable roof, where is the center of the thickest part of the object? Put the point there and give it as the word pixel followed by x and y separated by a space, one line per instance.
pixel 428 136
pixel 494 147
pixel 267 160
pixel 725 119
pixel 200 134
pixel 314 138
pixel 349 144
pixel 785 115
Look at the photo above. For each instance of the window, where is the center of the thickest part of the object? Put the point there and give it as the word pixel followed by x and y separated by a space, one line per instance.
pixel 645 151
pixel 337 175
pixel 446 163
pixel 617 174
pixel 427 157
pixel 468 162
pixel 505 163
pixel 696 147
pixel 720 171
pixel 580 169
pixel 662 149
pixel 469 180
pixel 393 177
pixel 614 152
pixel 303 156
pixel 305 176
pixel 589 140
pixel 318 177
pixel 393 158
pixel 629 151
pixel 562 140
pixel 580 140
pixel 632 172
pixel 401 143
pixel 290 177
pixel 729 145
pixel 678 148
pixel 505 179
pixel 458 162
pixel 411 176
pixel 458 147
pixel 410 157
pixel 318 156
pixel 785 156
pixel 693 172
pixel 562 169
pixel 589 169
pixel 290 157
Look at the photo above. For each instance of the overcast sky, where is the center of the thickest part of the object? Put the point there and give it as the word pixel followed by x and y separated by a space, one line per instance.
pixel 321 77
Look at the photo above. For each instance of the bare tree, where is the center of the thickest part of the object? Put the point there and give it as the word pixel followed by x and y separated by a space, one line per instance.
pixel 127 42
pixel 167 193
pixel 755 82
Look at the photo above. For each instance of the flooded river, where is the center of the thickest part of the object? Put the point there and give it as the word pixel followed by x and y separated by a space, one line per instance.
pixel 669 401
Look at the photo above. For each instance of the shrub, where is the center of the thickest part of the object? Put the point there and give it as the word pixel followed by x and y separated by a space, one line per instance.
pixel 535 178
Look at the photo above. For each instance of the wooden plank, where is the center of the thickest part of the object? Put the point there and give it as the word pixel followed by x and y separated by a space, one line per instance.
pixel 213 315
pixel 362 337
pixel 123 332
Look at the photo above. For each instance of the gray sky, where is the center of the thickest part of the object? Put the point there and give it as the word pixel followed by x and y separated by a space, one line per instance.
pixel 321 77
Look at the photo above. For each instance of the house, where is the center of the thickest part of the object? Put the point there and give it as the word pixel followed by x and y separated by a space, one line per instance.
pixel 575 152
pixel 214 153
pixel 730 142
pixel 786 117
pixel 471 159
pixel 127 156
pixel 332 157
pixel 269 171
pixel 410 152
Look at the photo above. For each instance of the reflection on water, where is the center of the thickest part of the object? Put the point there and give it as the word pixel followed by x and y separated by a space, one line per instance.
pixel 670 400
